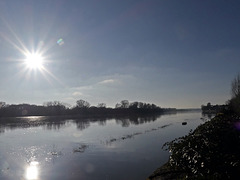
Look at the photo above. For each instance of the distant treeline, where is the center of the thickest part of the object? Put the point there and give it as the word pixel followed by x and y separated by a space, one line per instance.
pixel 82 107
pixel 209 108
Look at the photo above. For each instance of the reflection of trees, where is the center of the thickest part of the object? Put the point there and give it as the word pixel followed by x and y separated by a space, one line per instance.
pixel 54 125
pixel 58 122
pixel 81 125
pixel 49 123
pixel 126 121
pixel 2 129
pixel 102 122
pixel 123 121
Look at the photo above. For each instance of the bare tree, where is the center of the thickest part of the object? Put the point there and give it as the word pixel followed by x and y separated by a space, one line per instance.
pixel 236 86
pixel 2 104
pixel 124 104
pixel 118 105
pixel 54 104
pixel 101 105
pixel 82 104
pixel 235 101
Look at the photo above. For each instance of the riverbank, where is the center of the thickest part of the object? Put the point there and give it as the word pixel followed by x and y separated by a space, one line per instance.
pixel 210 151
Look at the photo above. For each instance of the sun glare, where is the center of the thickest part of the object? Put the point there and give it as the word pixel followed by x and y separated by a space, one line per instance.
pixel 34 61
pixel 32 171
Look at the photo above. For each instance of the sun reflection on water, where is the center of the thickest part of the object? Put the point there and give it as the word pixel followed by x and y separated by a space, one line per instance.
pixel 32 171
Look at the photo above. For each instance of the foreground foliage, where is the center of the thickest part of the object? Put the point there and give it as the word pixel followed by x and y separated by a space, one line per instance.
pixel 210 151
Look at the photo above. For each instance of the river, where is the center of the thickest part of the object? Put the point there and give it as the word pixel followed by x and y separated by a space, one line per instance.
pixel 49 148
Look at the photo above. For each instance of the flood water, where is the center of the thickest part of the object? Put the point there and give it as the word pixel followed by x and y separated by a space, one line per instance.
pixel 92 148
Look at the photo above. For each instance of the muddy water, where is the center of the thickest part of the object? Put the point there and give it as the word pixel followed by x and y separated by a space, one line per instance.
pixel 71 148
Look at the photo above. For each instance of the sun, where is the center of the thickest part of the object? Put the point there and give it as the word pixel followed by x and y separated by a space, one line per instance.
pixel 34 61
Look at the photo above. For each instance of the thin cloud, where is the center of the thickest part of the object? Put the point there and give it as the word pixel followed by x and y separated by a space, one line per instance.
pixel 77 93
pixel 108 81
pixel 82 88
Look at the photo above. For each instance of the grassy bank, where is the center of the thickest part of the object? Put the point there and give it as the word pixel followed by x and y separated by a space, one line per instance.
pixel 211 151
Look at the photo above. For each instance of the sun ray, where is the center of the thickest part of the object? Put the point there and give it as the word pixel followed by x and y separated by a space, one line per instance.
pixel 35 59
pixel 45 71
pixel 24 48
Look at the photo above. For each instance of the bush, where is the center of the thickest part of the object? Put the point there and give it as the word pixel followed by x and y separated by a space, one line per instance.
pixel 212 150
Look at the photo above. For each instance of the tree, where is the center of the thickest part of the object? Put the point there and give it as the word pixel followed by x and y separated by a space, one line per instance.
pixel 117 106
pixel 2 104
pixel 82 104
pixel 53 103
pixel 234 103
pixel 154 106
pixel 133 105
pixel 236 86
pixel 140 105
pixel 101 105
pixel 209 105
pixel 124 104
pixel 54 108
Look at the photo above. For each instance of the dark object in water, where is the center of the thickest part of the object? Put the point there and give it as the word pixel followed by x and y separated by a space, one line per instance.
pixel 80 149
pixel 184 123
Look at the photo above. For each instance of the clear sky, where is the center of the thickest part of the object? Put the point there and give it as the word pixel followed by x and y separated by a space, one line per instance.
pixel 168 52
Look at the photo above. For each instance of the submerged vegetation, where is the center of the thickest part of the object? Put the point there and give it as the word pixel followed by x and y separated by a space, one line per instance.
pixel 211 151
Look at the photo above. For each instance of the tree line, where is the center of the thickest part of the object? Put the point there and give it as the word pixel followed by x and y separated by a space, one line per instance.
pixel 82 107
pixel 209 108
pixel 232 105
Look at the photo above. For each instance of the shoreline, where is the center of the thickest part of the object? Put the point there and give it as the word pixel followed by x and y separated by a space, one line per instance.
pixel 166 172
pixel 203 153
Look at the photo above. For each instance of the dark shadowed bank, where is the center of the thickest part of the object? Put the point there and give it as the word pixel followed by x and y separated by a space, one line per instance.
pixel 211 151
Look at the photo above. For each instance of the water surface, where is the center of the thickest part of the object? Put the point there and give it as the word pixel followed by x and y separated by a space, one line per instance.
pixel 91 148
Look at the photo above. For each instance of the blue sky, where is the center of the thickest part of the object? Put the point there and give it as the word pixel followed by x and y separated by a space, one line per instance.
pixel 172 53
